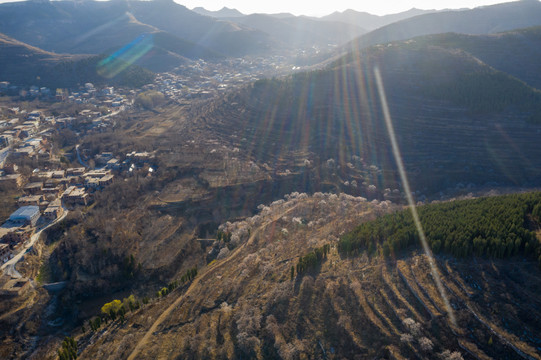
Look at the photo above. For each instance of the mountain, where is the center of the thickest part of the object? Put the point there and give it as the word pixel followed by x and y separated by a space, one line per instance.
pixel 481 20
pixel 459 120
pixel 97 26
pixel 295 32
pixel 220 36
pixel 224 12
pixel 369 21
pixel 22 64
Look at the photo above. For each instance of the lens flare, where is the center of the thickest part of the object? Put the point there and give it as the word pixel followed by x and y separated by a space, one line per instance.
pixel 129 54
pixel 411 202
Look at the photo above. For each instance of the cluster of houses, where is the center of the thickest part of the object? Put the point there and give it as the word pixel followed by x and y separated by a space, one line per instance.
pixel 23 131
pixel 107 96
pixel 72 185
pixel 133 161
pixel 45 196
pixel 24 124
pixel 28 134
pixel 46 193
pixel 201 79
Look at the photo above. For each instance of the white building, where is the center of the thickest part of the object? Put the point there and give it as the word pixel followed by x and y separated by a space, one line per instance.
pixel 25 215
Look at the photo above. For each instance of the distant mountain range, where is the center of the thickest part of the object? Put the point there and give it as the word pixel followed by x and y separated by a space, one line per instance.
pixel 355 18
pixel 370 22
pixel 300 32
pixel 481 20
pixel 176 35
pixel 303 31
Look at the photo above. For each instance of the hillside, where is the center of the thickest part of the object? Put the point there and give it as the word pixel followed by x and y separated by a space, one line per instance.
pixel 16 53
pixel 494 50
pixel 70 27
pixel 481 20
pixel 248 304
pixel 169 51
pixel 498 227
pixel 458 120
pixel 22 64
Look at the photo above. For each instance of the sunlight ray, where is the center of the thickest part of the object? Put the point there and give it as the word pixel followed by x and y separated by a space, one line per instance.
pixel 409 196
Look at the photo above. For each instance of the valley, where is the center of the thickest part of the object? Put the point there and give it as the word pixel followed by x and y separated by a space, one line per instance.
pixel 220 185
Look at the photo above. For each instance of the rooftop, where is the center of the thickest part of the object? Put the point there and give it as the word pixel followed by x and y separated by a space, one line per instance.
pixel 25 212
pixel 34 185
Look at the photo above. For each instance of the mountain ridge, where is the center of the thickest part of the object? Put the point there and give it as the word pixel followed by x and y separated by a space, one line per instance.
pixel 224 12
pixel 481 20
pixel 301 32
pixel 370 21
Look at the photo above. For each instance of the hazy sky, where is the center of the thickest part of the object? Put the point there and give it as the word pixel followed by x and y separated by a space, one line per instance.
pixel 319 8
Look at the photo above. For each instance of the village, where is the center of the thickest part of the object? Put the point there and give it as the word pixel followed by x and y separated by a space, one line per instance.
pixel 201 79
pixel 198 79
pixel 43 183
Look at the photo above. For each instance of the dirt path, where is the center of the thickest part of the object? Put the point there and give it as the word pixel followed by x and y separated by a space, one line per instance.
pixel 197 280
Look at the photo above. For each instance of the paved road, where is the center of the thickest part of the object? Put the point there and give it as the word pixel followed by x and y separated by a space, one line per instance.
pixel 9 266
